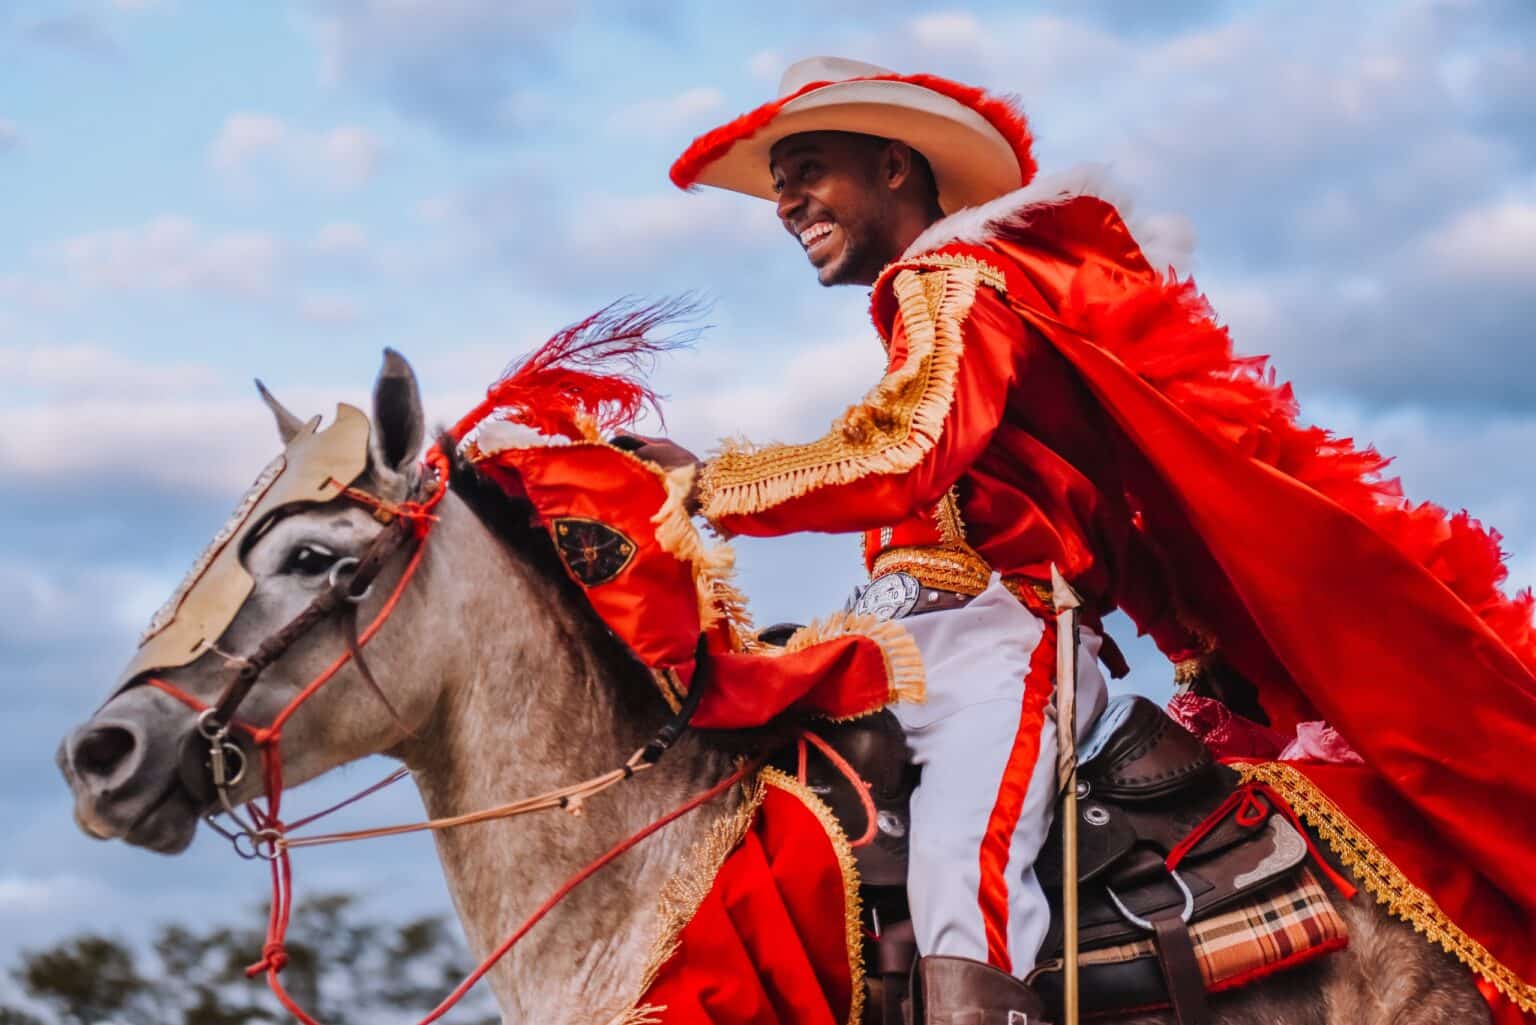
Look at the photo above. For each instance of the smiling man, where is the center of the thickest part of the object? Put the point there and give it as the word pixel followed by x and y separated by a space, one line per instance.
pixel 961 467
pixel 1052 399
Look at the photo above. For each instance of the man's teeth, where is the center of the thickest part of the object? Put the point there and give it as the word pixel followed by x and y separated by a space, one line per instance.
pixel 815 233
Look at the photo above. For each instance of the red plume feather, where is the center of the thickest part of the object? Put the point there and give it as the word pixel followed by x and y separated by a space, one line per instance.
pixel 591 373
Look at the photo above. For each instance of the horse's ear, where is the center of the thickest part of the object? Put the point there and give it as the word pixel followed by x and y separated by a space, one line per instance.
pixel 287 424
pixel 398 422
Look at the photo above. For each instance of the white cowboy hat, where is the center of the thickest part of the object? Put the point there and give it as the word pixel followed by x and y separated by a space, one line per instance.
pixel 977 144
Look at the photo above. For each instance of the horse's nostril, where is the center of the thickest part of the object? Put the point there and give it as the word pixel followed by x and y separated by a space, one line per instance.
pixel 101 751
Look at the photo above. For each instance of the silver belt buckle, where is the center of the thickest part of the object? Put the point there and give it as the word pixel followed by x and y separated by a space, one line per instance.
pixel 891 596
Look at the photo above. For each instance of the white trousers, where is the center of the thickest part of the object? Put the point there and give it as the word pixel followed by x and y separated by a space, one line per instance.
pixel 986 742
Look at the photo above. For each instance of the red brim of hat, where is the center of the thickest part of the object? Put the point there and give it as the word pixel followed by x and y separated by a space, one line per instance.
pixel 978 144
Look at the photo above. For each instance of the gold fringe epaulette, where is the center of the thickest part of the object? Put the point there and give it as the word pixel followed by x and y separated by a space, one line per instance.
pixel 890 431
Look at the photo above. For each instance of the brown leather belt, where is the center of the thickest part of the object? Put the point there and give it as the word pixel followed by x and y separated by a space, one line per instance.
pixel 938 601
pixel 899 595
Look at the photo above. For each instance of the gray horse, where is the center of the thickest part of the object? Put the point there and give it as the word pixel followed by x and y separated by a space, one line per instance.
pixel 503 684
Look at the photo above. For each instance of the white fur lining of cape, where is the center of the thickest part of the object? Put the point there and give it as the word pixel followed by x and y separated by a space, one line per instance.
pixel 1167 240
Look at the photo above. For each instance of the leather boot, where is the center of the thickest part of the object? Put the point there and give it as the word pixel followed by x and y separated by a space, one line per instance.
pixel 959 991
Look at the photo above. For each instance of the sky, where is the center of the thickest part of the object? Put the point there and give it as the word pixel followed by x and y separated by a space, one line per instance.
pixel 192 195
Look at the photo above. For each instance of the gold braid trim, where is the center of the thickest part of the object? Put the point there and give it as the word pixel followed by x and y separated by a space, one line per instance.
pixel 1385 881
pixel 682 894
pixel 852 906
pixel 889 431
pixel 989 274
pixel 714 566
pixel 942 568
pixel 904 675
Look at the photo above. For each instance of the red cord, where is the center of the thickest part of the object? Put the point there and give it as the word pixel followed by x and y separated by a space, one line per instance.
pixel 282 889
pixel 1250 812
pixel 274 954
pixel 871 816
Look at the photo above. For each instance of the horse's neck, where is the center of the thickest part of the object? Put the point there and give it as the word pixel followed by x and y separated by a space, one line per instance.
pixel 534 711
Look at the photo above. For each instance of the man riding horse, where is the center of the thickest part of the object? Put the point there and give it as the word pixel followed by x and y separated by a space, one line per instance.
pixel 1051 399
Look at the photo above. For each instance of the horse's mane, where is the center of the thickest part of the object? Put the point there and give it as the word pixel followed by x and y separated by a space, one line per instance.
pixel 512 520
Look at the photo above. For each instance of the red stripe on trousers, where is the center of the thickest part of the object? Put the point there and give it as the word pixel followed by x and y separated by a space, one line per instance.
pixel 1004 820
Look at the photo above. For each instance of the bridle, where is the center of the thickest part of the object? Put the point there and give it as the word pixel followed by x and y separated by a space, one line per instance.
pixel 213 764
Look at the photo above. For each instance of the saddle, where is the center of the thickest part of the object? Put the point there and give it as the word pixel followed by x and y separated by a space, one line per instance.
pixel 1145 787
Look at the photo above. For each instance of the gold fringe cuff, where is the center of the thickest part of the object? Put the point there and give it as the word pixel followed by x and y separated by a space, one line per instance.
pixel 1386 882
pixel 713 565
pixel 890 431
pixel 852 906
pixel 903 661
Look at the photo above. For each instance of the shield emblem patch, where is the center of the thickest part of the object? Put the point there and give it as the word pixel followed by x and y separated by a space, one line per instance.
pixel 594 552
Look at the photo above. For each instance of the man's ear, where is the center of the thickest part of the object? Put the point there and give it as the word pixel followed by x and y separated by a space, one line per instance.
pixel 896 164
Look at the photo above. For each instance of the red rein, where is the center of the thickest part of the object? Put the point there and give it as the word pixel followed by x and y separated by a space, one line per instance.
pixel 268 740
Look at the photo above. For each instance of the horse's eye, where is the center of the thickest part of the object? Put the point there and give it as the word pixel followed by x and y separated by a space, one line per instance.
pixel 309 560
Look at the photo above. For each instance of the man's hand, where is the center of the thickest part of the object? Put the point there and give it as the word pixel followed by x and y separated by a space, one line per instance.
pixel 667 454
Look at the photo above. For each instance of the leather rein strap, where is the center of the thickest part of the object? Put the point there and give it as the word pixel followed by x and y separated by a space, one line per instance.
pixel 344 592
pixel 268 834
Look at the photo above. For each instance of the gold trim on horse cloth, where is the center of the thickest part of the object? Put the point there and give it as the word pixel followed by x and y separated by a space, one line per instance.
pixel 1386 882
pixel 853 907
pixel 890 431
pixel 314 467
pixel 685 891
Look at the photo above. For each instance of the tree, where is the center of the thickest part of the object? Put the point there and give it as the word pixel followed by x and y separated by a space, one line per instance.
pixel 344 968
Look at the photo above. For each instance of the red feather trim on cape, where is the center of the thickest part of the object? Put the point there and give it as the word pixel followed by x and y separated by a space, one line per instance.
pixel 1167 334
pixel 1001 112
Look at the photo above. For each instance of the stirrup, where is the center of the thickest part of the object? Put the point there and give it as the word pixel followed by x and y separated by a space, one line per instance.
pixel 959 991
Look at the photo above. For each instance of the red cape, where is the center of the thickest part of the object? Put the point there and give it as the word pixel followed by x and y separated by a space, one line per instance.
pixel 1333 612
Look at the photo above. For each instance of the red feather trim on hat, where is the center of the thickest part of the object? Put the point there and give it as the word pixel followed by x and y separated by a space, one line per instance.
pixel 1000 111
pixel 590 374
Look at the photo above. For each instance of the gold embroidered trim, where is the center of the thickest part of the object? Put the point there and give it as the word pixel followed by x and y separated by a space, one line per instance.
pixel 989 274
pixel 852 907
pixel 714 566
pixel 944 569
pixel 1386 882
pixel 889 431
pixel 682 894
pixel 905 679
pixel 951 525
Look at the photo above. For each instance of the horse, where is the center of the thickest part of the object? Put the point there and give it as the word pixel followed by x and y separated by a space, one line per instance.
pixel 500 680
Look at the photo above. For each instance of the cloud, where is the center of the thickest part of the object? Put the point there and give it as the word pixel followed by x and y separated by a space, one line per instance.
pixel 340 238
pixel 767 65
pixel 172 253
pixel 26 895
pixel 1493 242
pixel 93 371
pixel 137 6
pixel 949 30
pixel 456 64
pixel 671 115
pixel 330 310
pixel 10 135
pixel 345 157
pixel 77 34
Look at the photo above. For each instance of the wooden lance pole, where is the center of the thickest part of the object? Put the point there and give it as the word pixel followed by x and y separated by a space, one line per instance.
pixel 1068 605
